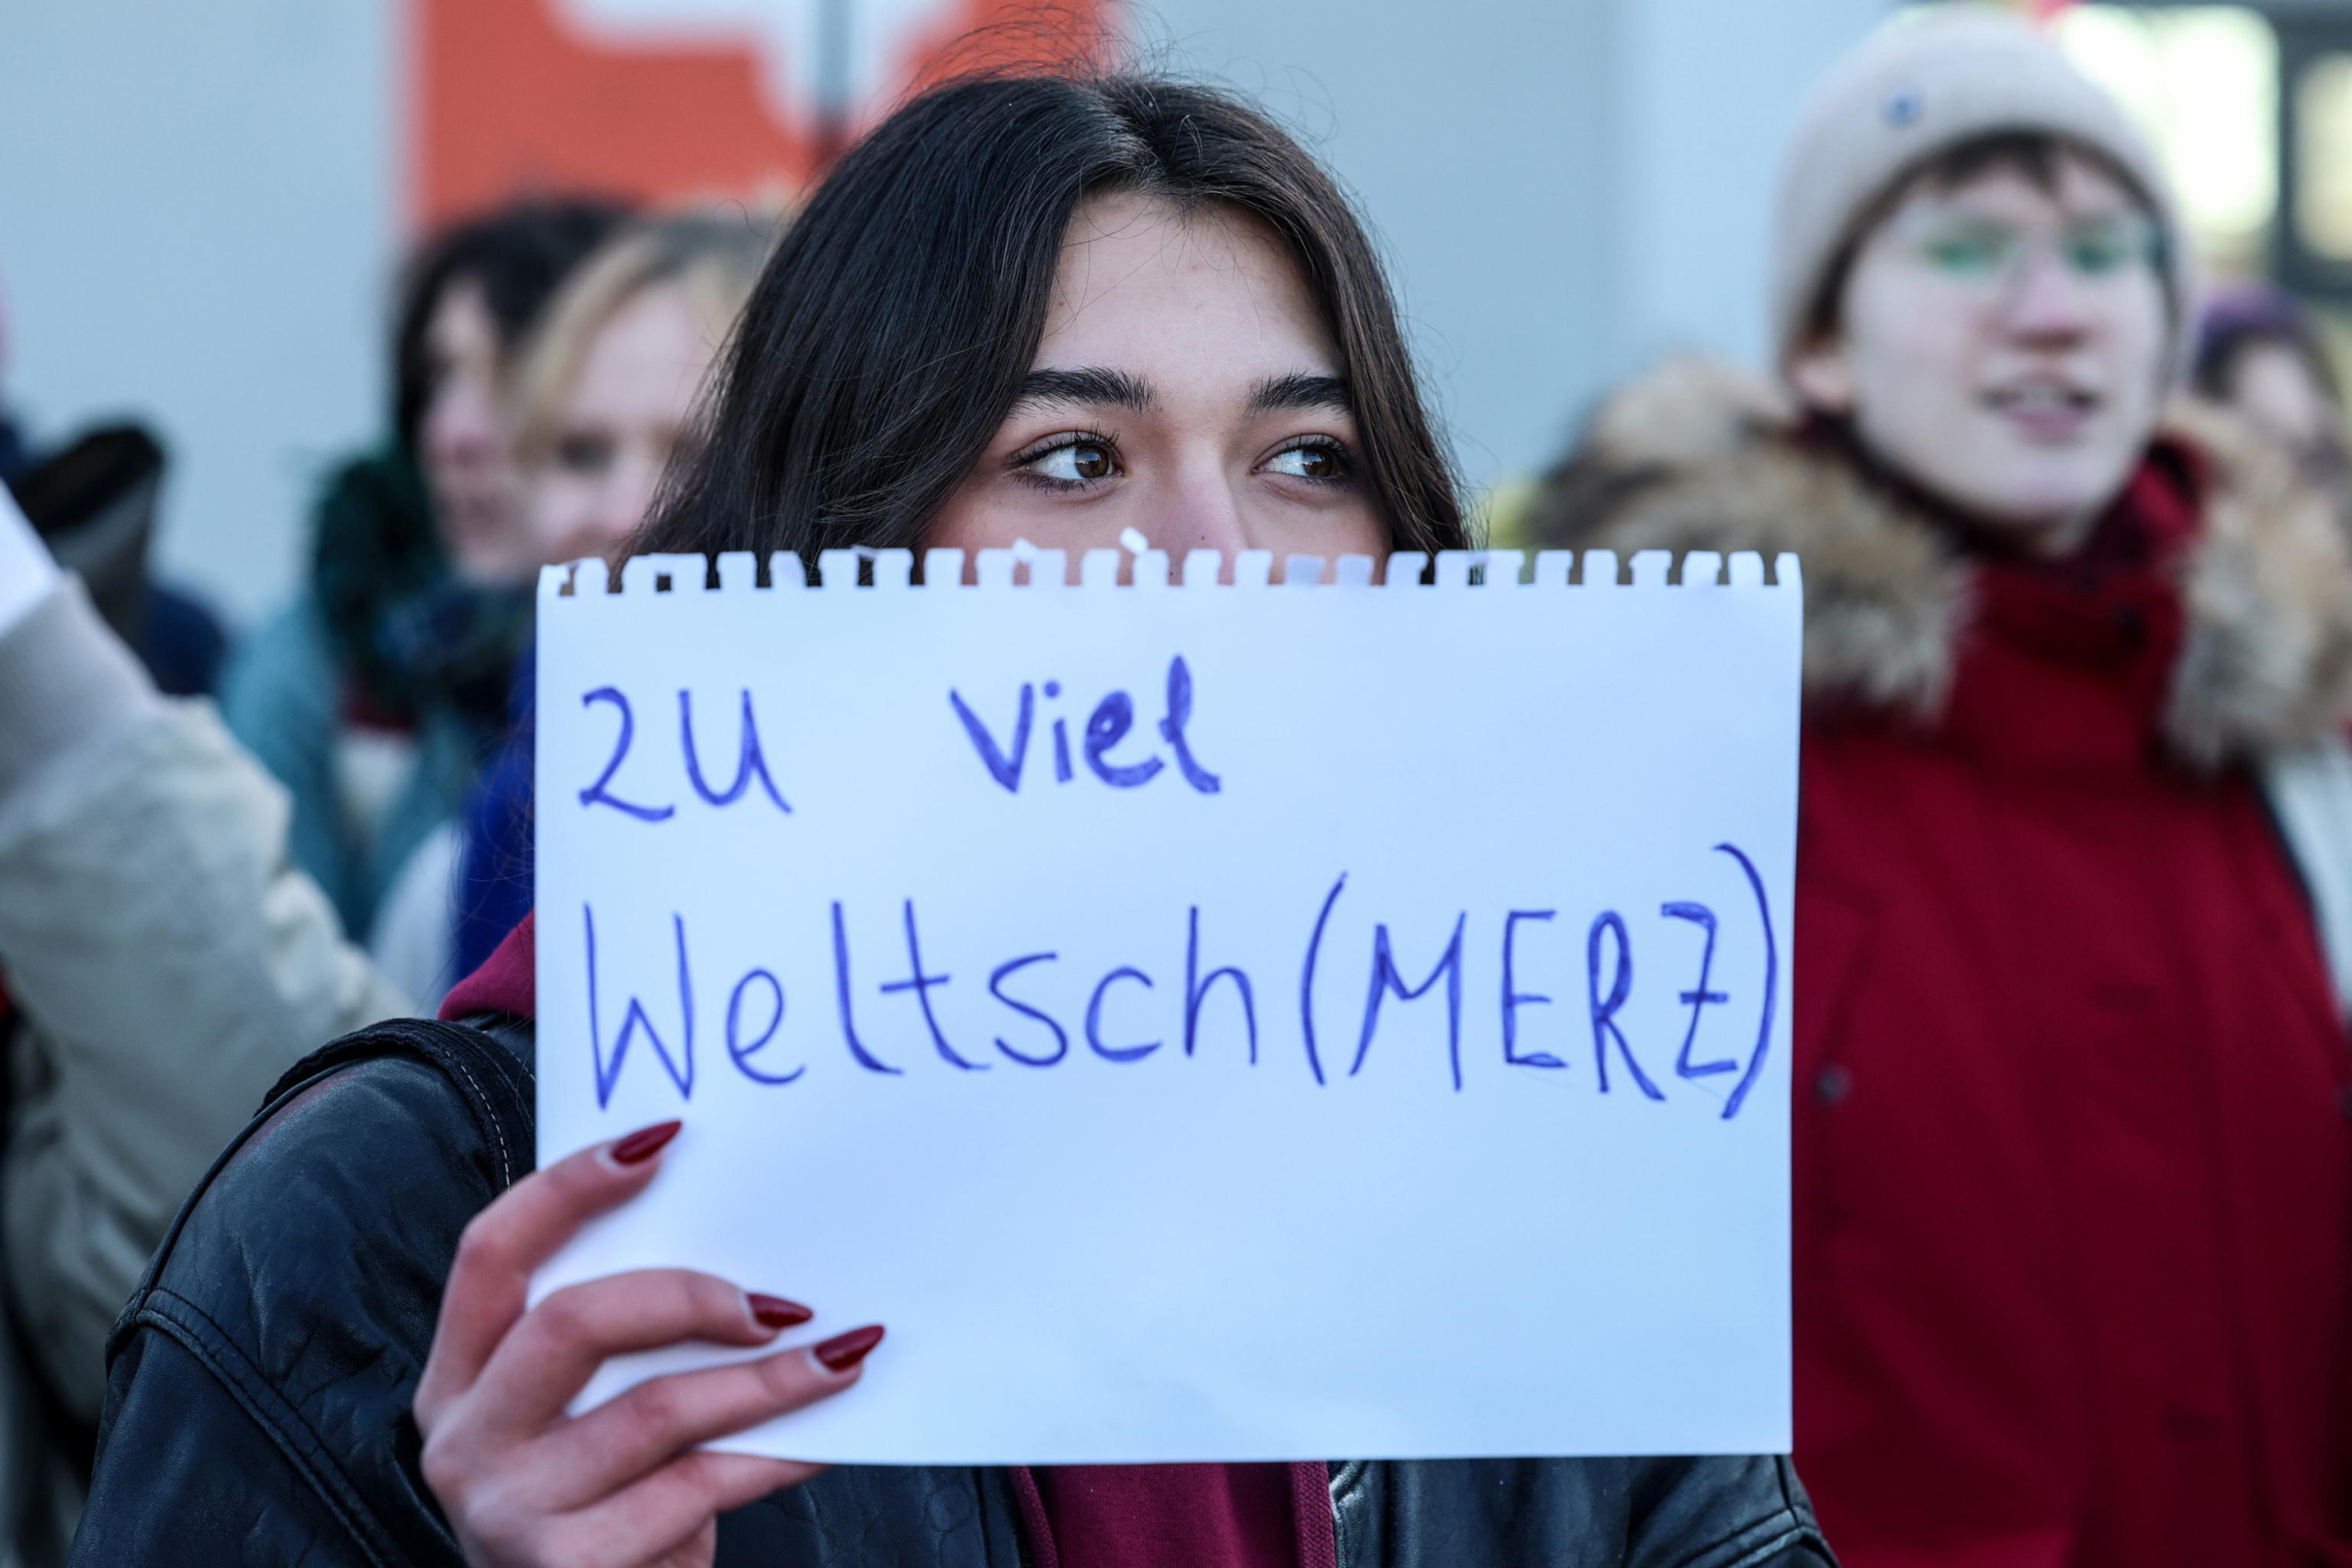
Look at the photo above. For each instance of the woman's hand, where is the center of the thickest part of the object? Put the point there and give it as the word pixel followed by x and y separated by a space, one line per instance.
pixel 523 1484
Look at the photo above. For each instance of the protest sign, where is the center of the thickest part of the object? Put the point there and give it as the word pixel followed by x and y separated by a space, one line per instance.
pixel 1203 1022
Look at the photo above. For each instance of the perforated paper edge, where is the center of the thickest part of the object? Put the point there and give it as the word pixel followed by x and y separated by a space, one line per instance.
pixel 871 570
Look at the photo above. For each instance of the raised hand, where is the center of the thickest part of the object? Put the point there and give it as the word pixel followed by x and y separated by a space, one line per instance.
pixel 625 1486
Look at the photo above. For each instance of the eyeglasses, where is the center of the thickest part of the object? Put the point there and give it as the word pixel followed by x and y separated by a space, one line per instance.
pixel 1990 253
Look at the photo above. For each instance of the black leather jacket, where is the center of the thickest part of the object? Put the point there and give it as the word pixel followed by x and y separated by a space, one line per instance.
pixel 259 1381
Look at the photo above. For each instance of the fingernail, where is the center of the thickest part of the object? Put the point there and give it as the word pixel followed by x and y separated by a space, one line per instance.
pixel 644 1144
pixel 844 1351
pixel 775 1312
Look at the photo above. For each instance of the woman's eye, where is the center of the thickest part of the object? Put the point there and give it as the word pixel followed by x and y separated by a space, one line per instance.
pixel 584 454
pixel 1310 460
pixel 2093 257
pixel 1076 463
pixel 1971 253
pixel 2098 250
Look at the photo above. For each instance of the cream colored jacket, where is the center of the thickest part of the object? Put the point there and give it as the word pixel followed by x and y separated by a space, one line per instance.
pixel 168 961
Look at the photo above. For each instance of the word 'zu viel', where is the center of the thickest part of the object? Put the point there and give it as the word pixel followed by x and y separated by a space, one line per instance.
pixel 1107 727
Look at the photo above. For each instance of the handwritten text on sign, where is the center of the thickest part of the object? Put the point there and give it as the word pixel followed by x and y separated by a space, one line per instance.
pixel 1203 1023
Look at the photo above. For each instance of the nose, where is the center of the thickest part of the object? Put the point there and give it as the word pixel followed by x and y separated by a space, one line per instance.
pixel 2051 304
pixel 461 424
pixel 1202 512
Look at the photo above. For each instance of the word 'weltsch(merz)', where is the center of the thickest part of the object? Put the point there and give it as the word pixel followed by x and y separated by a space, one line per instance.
pixel 1108 1024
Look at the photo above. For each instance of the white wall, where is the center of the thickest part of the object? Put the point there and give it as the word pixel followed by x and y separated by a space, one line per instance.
pixel 1477 135
pixel 198 214
pixel 1565 188
pixel 1707 92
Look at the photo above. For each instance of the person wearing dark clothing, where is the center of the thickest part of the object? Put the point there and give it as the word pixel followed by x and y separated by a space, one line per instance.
pixel 15 458
pixel 374 696
pixel 94 503
pixel 604 388
pixel 494 881
pixel 312 1371
pixel 2259 353
pixel 286 1357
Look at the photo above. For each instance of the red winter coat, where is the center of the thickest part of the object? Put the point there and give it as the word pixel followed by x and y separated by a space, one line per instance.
pixel 2074 1169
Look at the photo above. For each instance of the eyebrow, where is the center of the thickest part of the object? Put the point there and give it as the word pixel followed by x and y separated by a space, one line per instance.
pixel 1093 385
pixel 1116 389
pixel 1277 393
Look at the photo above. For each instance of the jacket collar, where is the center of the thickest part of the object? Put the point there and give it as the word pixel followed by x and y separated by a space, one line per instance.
pixel 1698 456
pixel 507 981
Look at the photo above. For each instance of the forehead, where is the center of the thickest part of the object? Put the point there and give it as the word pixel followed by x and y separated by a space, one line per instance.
pixel 1142 282
pixel 461 320
pixel 654 344
pixel 2070 185
pixel 657 318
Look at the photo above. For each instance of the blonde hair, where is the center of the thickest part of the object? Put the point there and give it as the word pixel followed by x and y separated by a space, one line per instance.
pixel 714 254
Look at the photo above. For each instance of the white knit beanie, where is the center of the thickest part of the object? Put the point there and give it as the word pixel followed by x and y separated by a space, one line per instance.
pixel 1925 83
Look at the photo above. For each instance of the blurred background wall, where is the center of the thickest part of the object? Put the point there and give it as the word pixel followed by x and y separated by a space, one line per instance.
pixel 202 202
pixel 199 216
pixel 1565 187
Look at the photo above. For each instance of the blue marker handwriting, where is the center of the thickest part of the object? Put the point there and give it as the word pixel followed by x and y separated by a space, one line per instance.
pixel 751 761
pixel 886 1023
pixel 1003 748
pixel 1108 745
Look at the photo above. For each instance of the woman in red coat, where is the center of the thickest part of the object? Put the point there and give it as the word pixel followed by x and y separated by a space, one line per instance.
pixel 2074 1172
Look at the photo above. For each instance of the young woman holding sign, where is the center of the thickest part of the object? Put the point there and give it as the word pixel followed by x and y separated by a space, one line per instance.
pixel 1037 308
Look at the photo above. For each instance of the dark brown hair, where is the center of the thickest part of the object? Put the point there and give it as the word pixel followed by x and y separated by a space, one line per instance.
pixel 2036 155
pixel 893 328
pixel 518 256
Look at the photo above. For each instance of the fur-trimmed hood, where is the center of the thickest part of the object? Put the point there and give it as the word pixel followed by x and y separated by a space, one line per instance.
pixel 1699 455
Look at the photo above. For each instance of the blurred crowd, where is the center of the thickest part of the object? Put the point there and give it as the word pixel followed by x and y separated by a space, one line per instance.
pixel 201 891
pixel 2073 1087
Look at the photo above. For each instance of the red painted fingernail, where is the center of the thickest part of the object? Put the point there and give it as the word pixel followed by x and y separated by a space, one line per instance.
pixel 645 1142
pixel 775 1312
pixel 844 1351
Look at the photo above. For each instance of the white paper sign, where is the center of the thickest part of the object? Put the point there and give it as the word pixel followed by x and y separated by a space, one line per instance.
pixel 1202 1024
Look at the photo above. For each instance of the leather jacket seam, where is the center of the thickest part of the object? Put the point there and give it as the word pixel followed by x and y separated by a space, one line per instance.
pixel 212 1348
pixel 1788 1527
pixel 1349 1480
pixel 497 1125
pixel 357 1049
pixel 132 1309
pixel 1764 1552
pixel 444 1045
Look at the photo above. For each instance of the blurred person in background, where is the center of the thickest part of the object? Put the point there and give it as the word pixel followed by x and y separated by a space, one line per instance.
pixel 15 457
pixel 2072 1169
pixel 162 962
pixel 2258 353
pixel 607 392
pixel 94 503
pixel 377 693
pixel 604 391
